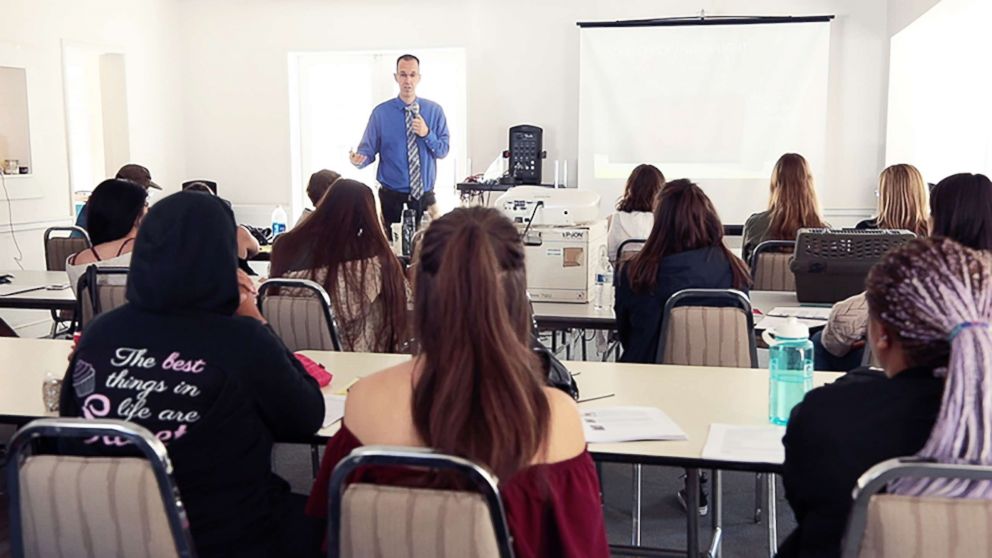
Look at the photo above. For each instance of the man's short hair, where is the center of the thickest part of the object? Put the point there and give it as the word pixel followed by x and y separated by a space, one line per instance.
pixel 407 57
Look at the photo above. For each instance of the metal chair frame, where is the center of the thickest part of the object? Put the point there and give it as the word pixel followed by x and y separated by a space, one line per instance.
pixel 623 245
pixel 144 441
pixel 878 478
pixel 481 479
pixel 738 300
pixel 89 286
pixel 768 246
pixel 48 236
pixel 316 289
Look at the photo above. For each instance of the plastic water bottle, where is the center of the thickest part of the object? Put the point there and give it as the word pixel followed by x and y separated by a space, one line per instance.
pixel 604 280
pixel 791 368
pixel 279 220
pixel 407 218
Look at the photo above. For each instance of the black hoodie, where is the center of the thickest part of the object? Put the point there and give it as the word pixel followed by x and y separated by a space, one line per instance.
pixel 216 388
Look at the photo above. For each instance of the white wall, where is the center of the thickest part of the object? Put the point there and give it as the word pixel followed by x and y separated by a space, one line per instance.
pixel 522 68
pixel 904 12
pixel 33 31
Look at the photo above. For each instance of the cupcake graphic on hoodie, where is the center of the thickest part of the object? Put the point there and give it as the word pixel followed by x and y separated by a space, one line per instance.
pixel 83 378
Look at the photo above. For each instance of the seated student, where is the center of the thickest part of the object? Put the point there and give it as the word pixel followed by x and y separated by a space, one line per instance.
pixel 929 320
pixel 961 209
pixel 116 209
pixel 902 201
pixel 320 182
pixel 190 358
pixel 634 217
pixel 248 246
pixel 476 390
pixel 791 206
pixel 342 247
pixel 685 250
pixel 130 172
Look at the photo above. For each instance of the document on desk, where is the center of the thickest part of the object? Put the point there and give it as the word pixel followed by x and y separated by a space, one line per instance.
pixel 333 408
pixel 803 312
pixel 749 444
pixel 15 289
pixel 629 424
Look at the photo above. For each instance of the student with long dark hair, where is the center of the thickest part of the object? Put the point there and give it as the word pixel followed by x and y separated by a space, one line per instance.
pixel 320 182
pixel 479 392
pixel 930 313
pixel 342 247
pixel 792 205
pixel 685 250
pixel 116 208
pixel 635 210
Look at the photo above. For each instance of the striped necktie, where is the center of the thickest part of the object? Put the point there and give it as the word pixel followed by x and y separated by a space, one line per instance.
pixel 413 154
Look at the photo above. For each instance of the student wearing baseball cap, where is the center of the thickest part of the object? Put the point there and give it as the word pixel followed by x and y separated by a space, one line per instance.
pixel 131 172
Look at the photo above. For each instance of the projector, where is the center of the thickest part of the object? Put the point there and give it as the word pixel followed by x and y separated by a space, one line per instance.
pixel 537 205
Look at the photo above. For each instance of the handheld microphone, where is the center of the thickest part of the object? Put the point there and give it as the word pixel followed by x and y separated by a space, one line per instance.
pixel 415 109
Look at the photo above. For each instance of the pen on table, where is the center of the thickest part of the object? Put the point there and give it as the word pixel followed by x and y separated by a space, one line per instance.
pixel 344 390
pixel 596 398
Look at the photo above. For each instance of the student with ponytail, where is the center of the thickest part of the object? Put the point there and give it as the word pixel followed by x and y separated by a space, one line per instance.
pixel 930 314
pixel 479 392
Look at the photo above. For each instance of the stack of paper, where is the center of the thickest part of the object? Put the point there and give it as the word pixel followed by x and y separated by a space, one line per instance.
pixel 333 408
pixel 804 312
pixel 628 424
pixel 750 444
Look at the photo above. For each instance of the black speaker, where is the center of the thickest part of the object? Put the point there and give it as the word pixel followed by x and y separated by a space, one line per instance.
pixel 525 153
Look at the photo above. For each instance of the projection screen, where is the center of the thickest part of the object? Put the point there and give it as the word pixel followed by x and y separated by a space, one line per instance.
pixel 717 104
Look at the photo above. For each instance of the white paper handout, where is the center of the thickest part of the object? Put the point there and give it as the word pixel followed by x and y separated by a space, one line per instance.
pixel 333 408
pixel 628 424
pixel 750 444
pixel 804 312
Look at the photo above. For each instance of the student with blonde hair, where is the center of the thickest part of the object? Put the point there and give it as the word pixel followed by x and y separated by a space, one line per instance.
pixel 792 205
pixel 903 201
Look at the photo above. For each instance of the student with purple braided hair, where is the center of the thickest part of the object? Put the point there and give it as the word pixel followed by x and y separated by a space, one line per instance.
pixel 930 309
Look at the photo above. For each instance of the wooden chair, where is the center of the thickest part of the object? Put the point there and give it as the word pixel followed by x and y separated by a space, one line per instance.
pixel 374 520
pixel 890 525
pixel 300 313
pixel 770 266
pixel 100 290
pixel 58 248
pixel 63 504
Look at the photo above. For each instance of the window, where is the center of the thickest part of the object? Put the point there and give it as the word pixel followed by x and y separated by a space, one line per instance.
pixel 95 112
pixel 332 95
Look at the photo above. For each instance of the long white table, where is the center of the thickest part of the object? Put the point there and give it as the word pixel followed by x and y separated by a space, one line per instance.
pixel 38 297
pixel 563 315
pixel 694 397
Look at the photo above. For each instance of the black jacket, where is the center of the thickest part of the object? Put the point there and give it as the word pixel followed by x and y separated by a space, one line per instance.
pixel 216 388
pixel 639 315
pixel 838 432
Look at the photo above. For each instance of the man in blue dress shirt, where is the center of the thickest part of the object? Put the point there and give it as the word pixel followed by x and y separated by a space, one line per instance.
pixel 409 134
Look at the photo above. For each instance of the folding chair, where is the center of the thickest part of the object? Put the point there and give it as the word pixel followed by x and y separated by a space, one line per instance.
pixel 63 504
pixel 708 327
pixel 889 525
pixel 300 313
pixel 714 327
pixel 57 251
pixel 770 266
pixel 374 520
pixel 626 251
pixel 100 290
